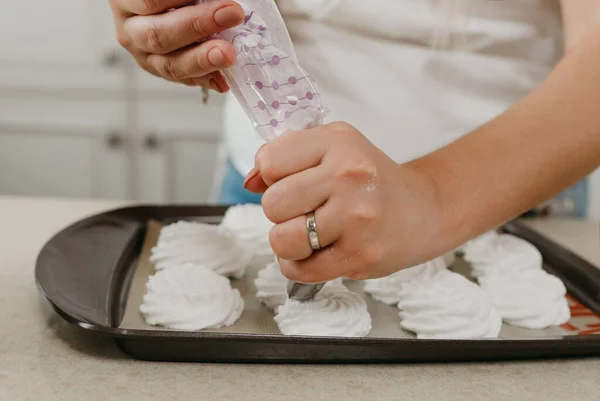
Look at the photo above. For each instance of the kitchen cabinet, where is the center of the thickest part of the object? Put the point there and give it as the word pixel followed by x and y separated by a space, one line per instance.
pixel 179 170
pixel 63 44
pixel 61 162
pixel 178 147
pixel 79 118
pixel 63 146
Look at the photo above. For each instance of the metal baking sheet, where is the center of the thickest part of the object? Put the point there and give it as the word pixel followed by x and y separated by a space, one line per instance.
pixel 94 274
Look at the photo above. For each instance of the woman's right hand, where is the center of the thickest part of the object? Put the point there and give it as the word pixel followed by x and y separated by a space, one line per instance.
pixel 166 38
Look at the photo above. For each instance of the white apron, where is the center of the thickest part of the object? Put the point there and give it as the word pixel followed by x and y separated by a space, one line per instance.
pixel 377 69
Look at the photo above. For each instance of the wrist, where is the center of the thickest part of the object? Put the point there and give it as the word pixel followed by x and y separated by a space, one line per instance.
pixel 430 215
pixel 449 228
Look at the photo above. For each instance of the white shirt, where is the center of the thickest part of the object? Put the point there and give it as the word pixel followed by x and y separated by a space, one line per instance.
pixel 377 70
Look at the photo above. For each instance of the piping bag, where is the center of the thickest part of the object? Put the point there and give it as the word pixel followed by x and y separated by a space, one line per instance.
pixel 269 83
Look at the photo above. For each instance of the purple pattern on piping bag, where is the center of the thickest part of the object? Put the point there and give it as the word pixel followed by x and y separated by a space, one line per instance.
pixel 266 77
pixel 276 104
pixel 288 114
pixel 275 60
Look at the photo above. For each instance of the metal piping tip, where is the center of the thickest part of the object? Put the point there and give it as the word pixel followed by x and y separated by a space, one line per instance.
pixel 303 292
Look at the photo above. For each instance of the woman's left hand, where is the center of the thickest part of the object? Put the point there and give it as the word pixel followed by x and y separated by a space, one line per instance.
pixel 374 216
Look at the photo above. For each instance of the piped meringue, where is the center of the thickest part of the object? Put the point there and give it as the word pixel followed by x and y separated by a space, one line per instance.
pixel 493 251
pixel 249 225
pixel 510 271
pixel 387 289
pixel 447 306
pixel 271 286
pixel 533 299
pixel 190 297
pixel 335 311
pixel 199 243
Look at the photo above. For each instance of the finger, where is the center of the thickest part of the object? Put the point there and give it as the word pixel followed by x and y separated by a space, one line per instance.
pixel 255 183
pixel 147 7
pixel 208 81
pixel 291 153
pixel 289 240
pixel 193 62
pixel 164 33
pixel 296 195
pixel 325 265
pixel 214 81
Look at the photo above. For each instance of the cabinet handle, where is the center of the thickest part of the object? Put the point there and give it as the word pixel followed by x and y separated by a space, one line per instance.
pixel 152 142
pixel 112 58
pixel 115 140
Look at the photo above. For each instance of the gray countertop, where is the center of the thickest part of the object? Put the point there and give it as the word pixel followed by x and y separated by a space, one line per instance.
pixel 44 358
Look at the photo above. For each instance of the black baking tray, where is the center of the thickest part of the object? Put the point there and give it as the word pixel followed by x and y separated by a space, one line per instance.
pixel 85 272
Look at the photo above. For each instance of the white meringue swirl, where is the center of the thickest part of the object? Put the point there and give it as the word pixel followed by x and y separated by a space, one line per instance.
pixel 503 252
pixel 271 286
pixel 335 312
pixel 249 225
pixel 510 271
pixel 447 306
pixel 387 289
pixel 192 242
pixel 190 297
pixel 533 299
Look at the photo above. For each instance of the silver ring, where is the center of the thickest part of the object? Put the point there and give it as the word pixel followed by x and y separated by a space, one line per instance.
pixel 313 235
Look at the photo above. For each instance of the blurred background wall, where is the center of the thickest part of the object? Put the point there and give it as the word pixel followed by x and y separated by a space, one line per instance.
pixel 79 119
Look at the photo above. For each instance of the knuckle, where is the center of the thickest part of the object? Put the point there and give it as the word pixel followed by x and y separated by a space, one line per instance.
pixel 199 25
pixel 261 155
pixel 371 256
pixel 144 65
pixel 268 172
pixel 201 64
pixel 340 128
pixel 278 241
pixel 365 213
pixel 269 201
pixel 170 71
pixel 266 165
pixel 124 40
pixel 154 38
pixel 150 6
pixel 288 269
pixel 363 171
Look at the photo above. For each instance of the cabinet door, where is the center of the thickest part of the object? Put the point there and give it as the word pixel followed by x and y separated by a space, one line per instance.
pixel 60 163
pixel 192 169
pixel 63 147
pixel 176 168
pixel 177 148
pixel 66 44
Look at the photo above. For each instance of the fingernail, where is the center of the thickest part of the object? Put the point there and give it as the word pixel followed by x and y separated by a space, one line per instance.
pixel 213 85
pixel 221 84
pixel 253 173
pixel 227 17
pixel 216 57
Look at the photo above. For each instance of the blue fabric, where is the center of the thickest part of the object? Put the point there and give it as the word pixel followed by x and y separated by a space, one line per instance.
pixel 232 188
pixel 578 194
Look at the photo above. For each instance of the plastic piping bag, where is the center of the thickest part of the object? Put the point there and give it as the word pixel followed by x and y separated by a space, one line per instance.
pixel 267 80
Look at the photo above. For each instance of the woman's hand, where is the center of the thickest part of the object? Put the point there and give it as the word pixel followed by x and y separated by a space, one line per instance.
pixel 163 36
pixel 374 217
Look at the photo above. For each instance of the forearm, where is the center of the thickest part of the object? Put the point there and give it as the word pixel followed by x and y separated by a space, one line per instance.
pixel 542 145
